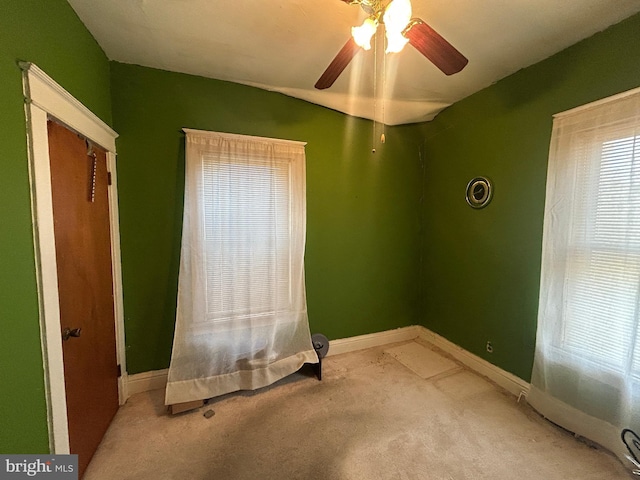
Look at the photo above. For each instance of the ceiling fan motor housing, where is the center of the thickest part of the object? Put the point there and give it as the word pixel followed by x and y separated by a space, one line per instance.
pixel 416 32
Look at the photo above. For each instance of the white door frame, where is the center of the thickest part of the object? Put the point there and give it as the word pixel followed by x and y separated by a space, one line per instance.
pixel 45 99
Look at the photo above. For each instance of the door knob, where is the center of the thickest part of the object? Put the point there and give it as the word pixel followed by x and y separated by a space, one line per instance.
pixel 67 333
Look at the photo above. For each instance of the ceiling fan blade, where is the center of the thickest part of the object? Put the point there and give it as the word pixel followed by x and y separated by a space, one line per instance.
pixel 430 44
pixel 338 64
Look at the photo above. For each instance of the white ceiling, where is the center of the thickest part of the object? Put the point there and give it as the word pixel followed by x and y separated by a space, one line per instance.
pixel 285 45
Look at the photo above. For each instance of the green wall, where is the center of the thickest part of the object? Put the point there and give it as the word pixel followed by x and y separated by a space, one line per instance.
pixel 385 230
pixel 48 33
pixel 363 224
pixel 481 268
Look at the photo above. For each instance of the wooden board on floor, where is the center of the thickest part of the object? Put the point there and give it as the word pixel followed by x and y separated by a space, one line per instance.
pixel 185 407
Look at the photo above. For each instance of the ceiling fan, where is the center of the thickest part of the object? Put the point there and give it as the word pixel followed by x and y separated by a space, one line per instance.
pixel 400 29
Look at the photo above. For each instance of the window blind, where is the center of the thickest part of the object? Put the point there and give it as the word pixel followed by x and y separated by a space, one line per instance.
pixel 603 274
pixel 247 236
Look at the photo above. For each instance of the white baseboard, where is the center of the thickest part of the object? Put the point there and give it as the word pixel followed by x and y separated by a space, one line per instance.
pixel 360 342
pixel 506 380
pixel 146 381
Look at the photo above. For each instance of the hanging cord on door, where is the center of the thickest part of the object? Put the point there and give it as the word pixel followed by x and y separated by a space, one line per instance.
pixel 91 153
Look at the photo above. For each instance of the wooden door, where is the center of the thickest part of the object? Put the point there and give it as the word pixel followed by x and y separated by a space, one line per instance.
pixel 79 182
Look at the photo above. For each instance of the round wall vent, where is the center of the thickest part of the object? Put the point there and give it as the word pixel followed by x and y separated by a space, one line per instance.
pixel 479 192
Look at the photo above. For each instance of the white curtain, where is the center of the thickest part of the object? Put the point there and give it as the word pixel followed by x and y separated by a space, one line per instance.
pixel 586 374
pixel 241 319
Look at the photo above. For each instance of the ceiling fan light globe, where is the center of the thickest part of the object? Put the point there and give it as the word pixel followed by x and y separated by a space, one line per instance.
pixel 363 34
pixel 395 42
pixel 397 15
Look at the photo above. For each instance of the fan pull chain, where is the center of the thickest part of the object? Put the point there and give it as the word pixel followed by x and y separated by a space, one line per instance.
pixel 375 91
pixel 384 93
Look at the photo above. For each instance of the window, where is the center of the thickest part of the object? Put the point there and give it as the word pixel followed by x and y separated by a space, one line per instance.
pixel 244 232
pixel 241 318
pixel 602 281
pixel 586 372
pixel 247 222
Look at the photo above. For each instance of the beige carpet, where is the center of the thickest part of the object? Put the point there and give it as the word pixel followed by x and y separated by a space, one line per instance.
pixel 371 418
pixel 424 362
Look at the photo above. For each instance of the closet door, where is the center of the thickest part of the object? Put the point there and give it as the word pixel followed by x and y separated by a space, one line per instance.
pixel 79 182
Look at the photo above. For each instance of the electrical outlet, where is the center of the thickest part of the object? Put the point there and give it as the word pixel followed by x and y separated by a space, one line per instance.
pixel 489 347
